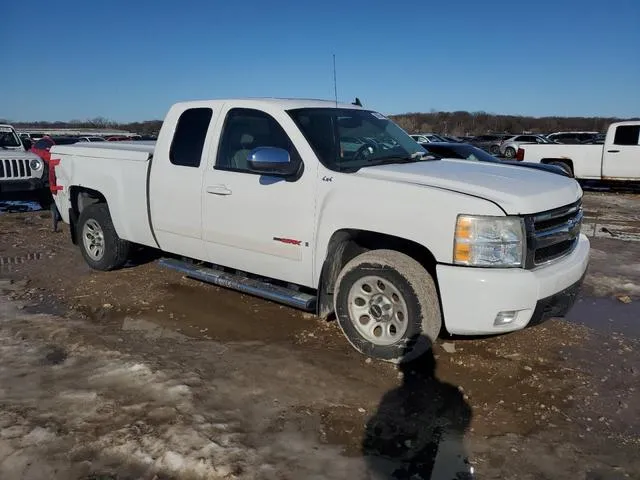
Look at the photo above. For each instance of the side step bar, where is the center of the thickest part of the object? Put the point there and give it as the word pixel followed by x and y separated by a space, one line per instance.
pixel 250 286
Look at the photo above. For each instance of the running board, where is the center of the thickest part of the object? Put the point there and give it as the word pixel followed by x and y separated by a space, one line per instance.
pixel 275 293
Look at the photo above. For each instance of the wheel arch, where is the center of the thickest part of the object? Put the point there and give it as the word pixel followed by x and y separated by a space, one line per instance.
pixel 346 244
pixel 79 199
pixel 566 161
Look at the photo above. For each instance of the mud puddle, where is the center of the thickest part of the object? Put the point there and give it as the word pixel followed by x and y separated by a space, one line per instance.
pixel 607 315
pixel 201 311
pixel 221 314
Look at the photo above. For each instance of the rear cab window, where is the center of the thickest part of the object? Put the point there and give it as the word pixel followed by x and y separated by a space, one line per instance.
pixel 189 137
pixel 627 135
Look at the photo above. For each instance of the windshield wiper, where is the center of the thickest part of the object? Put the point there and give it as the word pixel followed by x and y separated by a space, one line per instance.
pixel 414 157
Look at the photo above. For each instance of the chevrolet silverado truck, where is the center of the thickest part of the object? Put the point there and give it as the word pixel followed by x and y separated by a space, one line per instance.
pixel 23 175
pixel 260 196
pixel 617 160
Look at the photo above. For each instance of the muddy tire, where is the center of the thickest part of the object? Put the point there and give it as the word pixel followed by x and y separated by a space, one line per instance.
pixel 101 247
pixel 387 306
pixel 510 152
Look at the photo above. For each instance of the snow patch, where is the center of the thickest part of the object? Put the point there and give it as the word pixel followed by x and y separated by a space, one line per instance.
pixel 38 435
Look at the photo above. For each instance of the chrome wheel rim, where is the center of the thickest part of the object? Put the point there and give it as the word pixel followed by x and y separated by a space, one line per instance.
pixel 378 310
pixel 93 239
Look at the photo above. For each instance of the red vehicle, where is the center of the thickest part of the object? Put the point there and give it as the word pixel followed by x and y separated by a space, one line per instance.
pixel 118 139
pixel 42 146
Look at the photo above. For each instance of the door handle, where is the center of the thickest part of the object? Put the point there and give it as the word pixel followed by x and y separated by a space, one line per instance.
pixel 613 151
pixel 219 190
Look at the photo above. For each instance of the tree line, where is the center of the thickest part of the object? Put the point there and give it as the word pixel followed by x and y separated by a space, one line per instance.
pixel 477 123
pixel 147 127
pixel 448 123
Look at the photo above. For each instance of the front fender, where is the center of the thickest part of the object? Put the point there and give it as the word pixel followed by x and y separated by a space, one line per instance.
pixel 424 215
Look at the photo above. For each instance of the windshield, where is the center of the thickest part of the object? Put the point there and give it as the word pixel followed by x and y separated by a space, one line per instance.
pixel 349 139
pixel 8 138
pixel 462 152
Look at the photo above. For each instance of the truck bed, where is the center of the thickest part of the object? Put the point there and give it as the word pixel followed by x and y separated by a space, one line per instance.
pixel 585 159
pixel 119 171
pixel 122 150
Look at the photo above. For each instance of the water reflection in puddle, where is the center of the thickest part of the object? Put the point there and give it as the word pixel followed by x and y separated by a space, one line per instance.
pixel 16 206
pixel 607 315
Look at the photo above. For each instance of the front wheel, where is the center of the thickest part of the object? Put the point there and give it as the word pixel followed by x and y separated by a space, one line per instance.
pixel 387 306
pixel 101 247
pixel 494 150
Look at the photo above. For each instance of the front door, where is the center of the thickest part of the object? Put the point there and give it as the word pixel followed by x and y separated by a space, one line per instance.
pixel 258 223
pixel 621 158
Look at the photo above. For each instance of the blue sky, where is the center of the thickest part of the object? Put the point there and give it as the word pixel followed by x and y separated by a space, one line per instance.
pixel 129 60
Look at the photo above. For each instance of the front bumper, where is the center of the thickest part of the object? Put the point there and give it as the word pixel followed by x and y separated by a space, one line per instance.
pixel 21 185
pixel 473 297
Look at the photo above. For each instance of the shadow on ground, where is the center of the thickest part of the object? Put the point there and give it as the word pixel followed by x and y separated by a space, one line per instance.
pixel 418 429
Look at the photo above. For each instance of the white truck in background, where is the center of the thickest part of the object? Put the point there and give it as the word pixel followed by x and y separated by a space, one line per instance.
pixel 23 174
pixel 264 197
pixel 618 160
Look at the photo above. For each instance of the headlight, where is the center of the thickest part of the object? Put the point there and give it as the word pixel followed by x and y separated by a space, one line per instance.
pixel 35 164
pixel 489 241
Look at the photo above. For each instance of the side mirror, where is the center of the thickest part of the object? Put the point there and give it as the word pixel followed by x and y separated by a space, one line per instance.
pixel 271 161
pixel 27 143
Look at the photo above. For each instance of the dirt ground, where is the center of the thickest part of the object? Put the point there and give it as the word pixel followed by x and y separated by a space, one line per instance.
pixel 143 374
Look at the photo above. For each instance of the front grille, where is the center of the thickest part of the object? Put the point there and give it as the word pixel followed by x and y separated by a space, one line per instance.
pixel 15 168
pixel 552 234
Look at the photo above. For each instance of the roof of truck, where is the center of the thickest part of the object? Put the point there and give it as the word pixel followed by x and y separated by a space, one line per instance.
pixel 284 103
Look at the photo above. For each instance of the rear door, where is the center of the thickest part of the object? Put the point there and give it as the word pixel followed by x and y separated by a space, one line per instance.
pixel 621 158
pixel 175 182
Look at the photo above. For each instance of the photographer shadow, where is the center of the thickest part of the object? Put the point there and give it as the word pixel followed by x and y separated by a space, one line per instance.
pixel 418 429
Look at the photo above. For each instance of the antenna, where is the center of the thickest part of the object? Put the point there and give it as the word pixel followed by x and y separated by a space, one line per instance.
pixel 335 83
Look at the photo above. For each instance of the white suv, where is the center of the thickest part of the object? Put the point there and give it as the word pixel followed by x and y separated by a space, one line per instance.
pixel 22 173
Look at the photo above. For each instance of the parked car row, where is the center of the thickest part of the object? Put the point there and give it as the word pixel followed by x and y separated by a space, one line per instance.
pixel 506 145
pixel 29 140
pixel 25 161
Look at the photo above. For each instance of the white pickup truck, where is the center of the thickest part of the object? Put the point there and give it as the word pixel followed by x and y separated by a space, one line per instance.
pixel 617 160
pixel 263 197
pixel 23 175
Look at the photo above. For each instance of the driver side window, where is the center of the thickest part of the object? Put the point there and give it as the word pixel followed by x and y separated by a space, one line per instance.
pixel 246 129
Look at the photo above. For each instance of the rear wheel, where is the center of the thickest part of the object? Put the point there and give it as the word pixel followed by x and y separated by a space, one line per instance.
pixel 510 152
pixel 564 166
pixel 101 247
pixel 387 306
